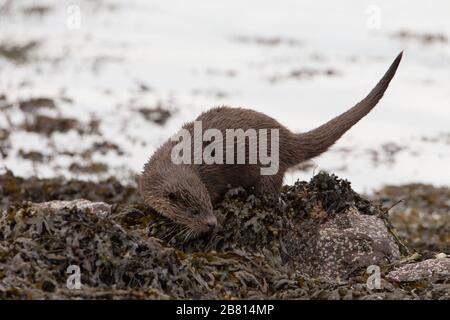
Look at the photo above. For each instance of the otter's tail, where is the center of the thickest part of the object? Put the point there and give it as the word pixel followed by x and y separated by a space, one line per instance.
pixel 316 141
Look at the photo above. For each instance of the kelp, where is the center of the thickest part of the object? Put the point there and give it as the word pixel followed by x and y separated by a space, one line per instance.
pixel 129 251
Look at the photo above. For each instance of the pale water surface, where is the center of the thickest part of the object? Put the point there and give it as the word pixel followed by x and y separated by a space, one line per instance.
pixel 195 55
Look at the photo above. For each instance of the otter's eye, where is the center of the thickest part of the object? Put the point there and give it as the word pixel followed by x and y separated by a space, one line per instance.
pixel 194 212
pixel 172 196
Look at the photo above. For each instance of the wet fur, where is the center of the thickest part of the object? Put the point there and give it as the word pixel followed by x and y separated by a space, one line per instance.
pixel 200 185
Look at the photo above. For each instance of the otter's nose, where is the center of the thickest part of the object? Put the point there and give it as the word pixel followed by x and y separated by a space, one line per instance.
pixel 211 223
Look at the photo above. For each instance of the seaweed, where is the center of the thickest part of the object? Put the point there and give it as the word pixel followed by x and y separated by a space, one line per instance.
pixel 33 104
pixel 158 114
pixel 14 190
pixel 18 53
pixel 126 250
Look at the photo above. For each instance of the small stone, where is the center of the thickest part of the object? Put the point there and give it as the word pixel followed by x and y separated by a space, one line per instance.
pixel 441 255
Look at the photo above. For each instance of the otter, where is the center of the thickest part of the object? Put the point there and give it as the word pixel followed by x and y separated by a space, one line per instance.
pixel 186 193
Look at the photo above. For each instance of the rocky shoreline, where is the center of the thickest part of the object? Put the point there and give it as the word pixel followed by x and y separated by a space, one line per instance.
pixel 320 240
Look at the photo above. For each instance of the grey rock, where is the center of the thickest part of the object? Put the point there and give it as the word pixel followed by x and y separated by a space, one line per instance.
pixel 428 269
pixel 100 208
pixel 342 244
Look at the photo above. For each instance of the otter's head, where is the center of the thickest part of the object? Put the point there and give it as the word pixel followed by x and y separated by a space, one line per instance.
pixel 178 194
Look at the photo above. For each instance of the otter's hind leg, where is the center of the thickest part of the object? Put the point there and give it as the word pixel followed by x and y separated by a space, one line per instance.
pixel 269 185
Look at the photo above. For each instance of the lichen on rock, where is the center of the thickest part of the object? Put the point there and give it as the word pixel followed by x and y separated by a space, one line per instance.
pixel 423 270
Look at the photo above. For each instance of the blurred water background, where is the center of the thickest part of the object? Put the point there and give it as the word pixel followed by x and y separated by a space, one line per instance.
pixel 89 89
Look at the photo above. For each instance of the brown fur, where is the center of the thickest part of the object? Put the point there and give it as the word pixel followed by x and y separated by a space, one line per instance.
pixel 185 193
